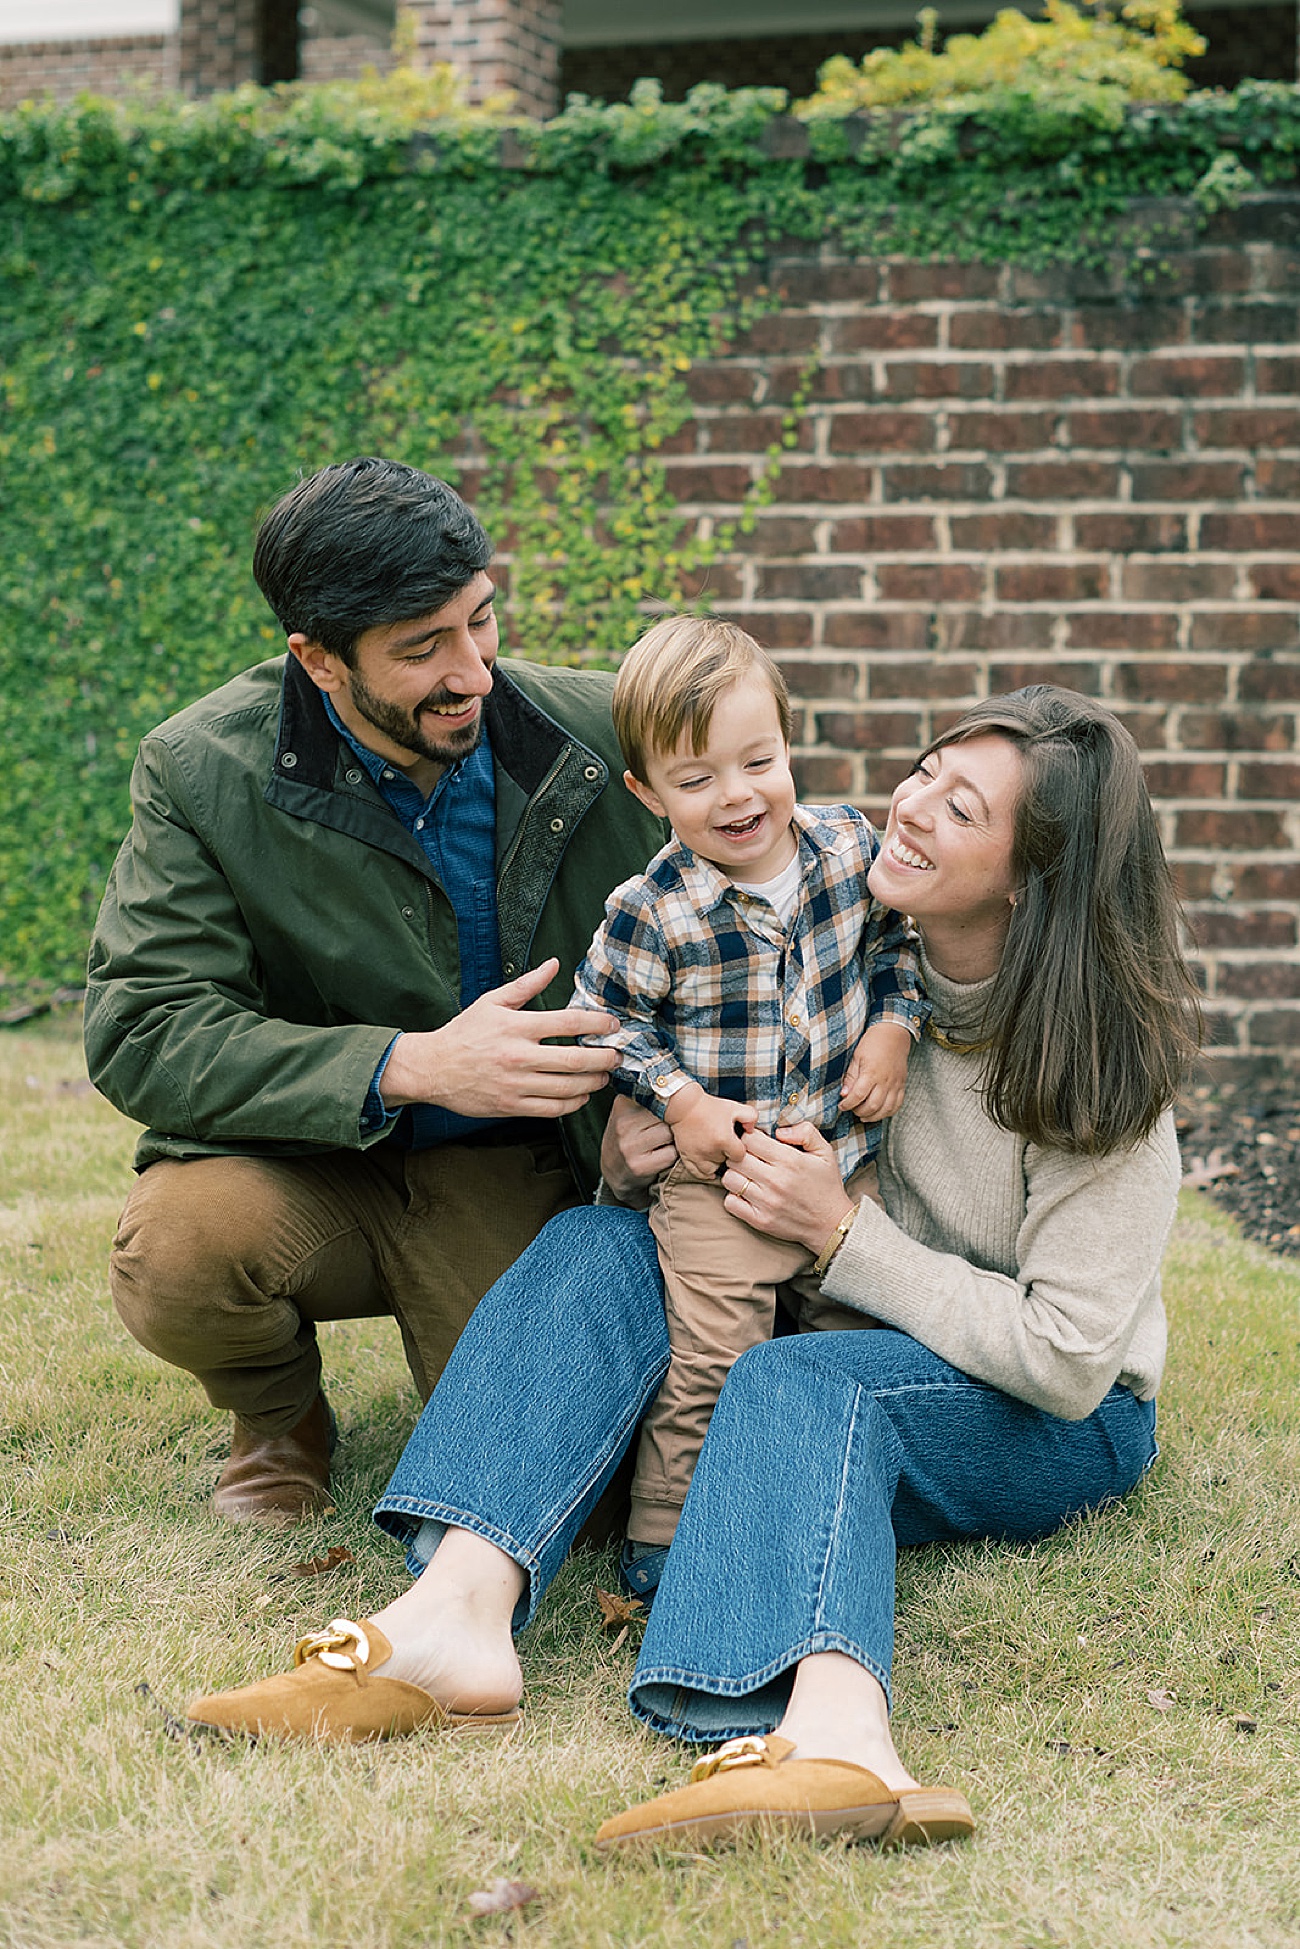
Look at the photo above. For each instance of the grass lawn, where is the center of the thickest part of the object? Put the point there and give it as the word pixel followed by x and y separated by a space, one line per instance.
pixel 1121 1703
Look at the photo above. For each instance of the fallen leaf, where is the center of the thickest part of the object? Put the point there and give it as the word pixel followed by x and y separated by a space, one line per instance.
pixel 616 1611
pixel 1162 1701
pixel 316 1566
pixel 501 1896
pixel 1208 1170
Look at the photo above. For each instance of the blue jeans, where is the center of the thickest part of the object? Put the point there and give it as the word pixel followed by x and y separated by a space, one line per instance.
pixel 825 1452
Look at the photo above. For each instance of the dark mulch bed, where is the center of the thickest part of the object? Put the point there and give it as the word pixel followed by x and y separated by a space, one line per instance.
pixel 1241 1144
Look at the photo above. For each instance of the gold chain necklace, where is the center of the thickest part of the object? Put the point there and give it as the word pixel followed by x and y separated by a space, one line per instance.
pixel 946 1041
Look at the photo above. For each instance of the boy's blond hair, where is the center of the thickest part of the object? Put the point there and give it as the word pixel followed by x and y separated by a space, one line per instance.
pixel 671 679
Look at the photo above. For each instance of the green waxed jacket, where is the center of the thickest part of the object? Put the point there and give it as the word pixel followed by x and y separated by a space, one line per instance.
pixel 269 926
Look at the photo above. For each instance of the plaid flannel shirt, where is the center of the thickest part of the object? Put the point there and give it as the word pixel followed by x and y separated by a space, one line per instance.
pixel 709 986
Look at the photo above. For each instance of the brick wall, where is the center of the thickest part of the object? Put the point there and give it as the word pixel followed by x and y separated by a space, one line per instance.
pixel 1002 478
pixel 499 44
pixel 101 67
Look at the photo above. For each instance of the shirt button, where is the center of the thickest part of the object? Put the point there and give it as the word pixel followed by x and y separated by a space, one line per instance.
pixel 386 776
pixel 793 1097
pixel 794 1019
pixel 557 825
pixel 352 777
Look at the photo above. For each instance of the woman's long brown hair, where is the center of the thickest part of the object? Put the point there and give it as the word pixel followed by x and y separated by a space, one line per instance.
pixel 1093 1017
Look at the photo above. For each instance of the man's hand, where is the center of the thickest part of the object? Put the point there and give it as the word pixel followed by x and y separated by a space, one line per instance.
pixel 496 1060
pixel 704 1129
pixel 877 1072
pixel 637 1149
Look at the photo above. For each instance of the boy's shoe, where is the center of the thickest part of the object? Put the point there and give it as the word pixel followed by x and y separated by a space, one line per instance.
pixel 640 1567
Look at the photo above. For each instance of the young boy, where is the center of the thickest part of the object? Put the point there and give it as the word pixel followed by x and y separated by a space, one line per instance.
pixel 756 983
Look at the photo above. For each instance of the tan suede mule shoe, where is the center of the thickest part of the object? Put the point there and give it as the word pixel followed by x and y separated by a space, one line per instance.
pixel 332 1694
pixel 751 1784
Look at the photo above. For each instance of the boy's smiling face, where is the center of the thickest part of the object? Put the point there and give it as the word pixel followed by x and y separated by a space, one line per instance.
pixel 733 802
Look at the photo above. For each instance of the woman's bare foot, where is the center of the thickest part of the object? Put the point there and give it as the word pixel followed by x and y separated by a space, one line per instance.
pixel 450 1632
pixel 838 1711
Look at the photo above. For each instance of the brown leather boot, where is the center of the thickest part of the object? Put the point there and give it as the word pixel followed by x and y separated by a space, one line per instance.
pixel 278 1480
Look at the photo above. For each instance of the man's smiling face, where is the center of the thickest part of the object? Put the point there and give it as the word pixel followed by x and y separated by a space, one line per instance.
pixel 421 684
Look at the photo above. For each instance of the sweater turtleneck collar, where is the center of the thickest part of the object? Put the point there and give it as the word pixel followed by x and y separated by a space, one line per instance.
pixel 958 1005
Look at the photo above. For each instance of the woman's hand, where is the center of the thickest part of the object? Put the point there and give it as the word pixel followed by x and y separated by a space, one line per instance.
pixel 788 1186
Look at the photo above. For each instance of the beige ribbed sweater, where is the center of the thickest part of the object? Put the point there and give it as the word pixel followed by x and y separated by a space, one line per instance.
pixel 1025 1267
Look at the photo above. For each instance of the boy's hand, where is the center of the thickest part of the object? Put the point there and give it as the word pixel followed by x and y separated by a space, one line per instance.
pixel 704 1129
pixel 877 1072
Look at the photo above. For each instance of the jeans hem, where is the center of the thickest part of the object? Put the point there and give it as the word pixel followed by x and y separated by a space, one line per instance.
pixel 418 1513
pixel 736 1688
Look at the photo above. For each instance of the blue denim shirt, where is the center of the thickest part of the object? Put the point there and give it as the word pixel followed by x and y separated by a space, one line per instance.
pixel 456 827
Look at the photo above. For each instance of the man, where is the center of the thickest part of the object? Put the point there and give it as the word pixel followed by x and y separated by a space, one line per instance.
pixel 330 967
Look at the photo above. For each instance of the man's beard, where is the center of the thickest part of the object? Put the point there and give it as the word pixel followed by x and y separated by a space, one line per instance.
pixel 404 727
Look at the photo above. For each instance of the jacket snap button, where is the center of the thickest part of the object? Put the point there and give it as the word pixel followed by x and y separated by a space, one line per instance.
pixel 557 825
pixel 510 967
pixel 289 760
pixel 352 777
pixel 591 771
pixel 408 913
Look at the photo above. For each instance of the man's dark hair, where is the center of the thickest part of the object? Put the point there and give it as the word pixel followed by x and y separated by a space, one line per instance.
pixel 364 543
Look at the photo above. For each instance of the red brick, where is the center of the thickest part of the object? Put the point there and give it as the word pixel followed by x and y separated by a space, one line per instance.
pixel 778 534
pixel 883 331
pixel 1151 428
pixel 1235 730
pixel 938 379
pixel 1276 581
pixel 809 582
pixel 877 629
pixel 775 629
pixel 1062 379
pixel 1258 779
pixel 1000 432
pixel 883 534
pixel 1218 927
pixel 883 432
pixel 1267 682
pixel 1277 374
pixel 753 432
pixel 997 629
pixel 1247 426
pixel 1149 730
pixel 869 730
pixel 1206 271
pixel 1052 582
pixel 1062 480
pixel 720 581
pixel 1275 1028
pixel 1232 831
pixel 1251 530
pixel 994 330
pixel 915 282
pixel 1193 880
pixel 930 582
pixel 823 677
pixel 1187 480
pixel 841 481
pixel 1132 534
pixel 1262 321
pixel 936 677
pixel 1185 778
pixel 722 385
pixel 1083 677
pixel 1277 477
pixel 1269 981
pixel 1003 528
pixel 958 480
pixel 1276 268
pixel 1244 629
pixel 1127 328
pixel 1220 1028
pixel 707 482
pixel 885 774
pixel 1268 880
pixel 779 331
pixel 834 381
pixel 687 439
pixel 805 282
pixel 1178 581
pixel 821 778
pixel 1175 683
pixel 1186 375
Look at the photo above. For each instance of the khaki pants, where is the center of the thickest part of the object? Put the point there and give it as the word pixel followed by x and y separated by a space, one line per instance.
pixel 225 1265
pixel 720 1281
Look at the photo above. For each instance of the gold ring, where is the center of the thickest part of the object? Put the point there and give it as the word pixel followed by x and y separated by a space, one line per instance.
pixel 747 1182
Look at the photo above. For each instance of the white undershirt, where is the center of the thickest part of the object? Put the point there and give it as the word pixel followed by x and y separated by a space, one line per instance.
pixel 781 892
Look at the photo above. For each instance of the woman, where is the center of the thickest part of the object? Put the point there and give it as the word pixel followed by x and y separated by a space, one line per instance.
pixel 1028 1185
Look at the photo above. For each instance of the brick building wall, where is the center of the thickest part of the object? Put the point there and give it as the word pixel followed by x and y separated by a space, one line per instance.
pixel 98 67
pixel 1003 478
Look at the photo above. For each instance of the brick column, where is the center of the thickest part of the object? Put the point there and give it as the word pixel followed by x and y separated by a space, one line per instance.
pixel 224 42
pixel 497 44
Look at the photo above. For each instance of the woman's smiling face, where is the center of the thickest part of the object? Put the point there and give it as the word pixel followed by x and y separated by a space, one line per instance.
pixel 947 850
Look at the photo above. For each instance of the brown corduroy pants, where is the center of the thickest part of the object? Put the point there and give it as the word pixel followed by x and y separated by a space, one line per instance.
pixel 225 1265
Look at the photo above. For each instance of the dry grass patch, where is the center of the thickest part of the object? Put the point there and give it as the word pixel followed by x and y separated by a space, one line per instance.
pixel 1121 1703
